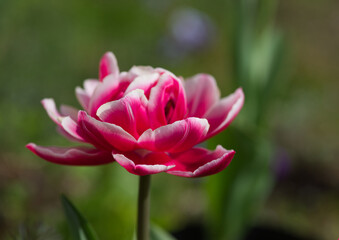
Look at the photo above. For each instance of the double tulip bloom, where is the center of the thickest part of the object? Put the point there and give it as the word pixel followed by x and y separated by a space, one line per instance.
pixel 147 119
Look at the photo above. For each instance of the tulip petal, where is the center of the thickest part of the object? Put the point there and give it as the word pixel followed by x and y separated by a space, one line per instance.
pixel 50 107
pixel 144 82
pixel 223 112
pixel 150 163
pixel 90 85
pixel 201 94
pixel 167 101
pixel 103 132
pixel 63 132
pixel 76 156
pixel 84 94
pixel 72 128
pixel 129 112
pixel 67 125
pixel 83 97
pixel 108 65
pixel 106 91
pixel 176 137
pixel 200 162
pixel 72 112
pixel 142 70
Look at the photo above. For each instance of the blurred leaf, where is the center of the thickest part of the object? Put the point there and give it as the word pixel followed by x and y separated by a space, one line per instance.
pixel 81 230
pixel 157 233
pixel 236 194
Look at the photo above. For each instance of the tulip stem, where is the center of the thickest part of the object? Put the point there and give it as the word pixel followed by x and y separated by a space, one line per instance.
pixel 143 208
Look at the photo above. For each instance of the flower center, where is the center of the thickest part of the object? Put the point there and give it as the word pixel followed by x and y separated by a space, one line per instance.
pixel 169 109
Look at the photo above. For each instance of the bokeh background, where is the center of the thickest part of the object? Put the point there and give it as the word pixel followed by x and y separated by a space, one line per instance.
pixel 284 180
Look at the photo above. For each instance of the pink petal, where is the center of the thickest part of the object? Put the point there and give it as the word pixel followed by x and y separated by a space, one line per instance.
pixel 138 164
pixel 223 112
pixel 82 97
pixel 69 111
pixel 67 125
pixel 141 70
pixel 202 93
pixel 72 128
pixel 144 82
pixel 200 162
pixel 108 65
pixel 168 94
pixel 176 137
pixel 90 85
pixel 102 133
pixel 77 156
pixel 129 112
pixel 106 91
pixel 53 113
pixel 61 131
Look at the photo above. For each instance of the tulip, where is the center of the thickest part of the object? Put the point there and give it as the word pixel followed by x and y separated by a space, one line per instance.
pixel 147 120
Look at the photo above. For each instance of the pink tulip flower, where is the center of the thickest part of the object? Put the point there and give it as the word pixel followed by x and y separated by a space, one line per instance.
pixel 147 119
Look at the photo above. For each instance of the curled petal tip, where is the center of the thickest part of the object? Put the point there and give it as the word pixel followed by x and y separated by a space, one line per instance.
pixel 30 146
pixel 108 65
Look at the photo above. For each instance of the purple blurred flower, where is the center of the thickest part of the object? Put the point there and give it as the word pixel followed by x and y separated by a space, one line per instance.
pixel 189 31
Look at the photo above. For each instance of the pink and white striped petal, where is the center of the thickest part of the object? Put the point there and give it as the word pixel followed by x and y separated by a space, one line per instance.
pixel 138 164
pixel 72 128
pixel 76 156
pixel 167 101
pixel 200 162
pixel 201 93
pixel 90 85
pixel 115 135
pixel 129 112
pixel 108 65
pixel 176 137
pixel 52 111
pixel 83 97
pixel 223 112
pixel 144 82
pixel 72 112
pixel 84 94
pixel 106 91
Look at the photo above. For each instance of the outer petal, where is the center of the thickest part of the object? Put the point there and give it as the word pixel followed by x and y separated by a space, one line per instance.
pixel 53 113
pixel 108 65
pixel 90 85
pixel 72 128
pixel 84 94
pixel 106 91
pixel 201 93
pixel 223 112
pixel 102 132
pixel 140 164
pixel 67 125
pixel 69 111
pixel 176 137
pixel 83 97
pixel 77 156
pixel 200 162
pixel 129 112
pixel 168 92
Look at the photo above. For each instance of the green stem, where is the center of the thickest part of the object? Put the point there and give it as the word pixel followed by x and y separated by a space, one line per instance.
pixel 143 208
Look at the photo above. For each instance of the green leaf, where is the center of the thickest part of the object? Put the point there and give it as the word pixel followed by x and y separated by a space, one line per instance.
pixel 80 228
pixel 157 233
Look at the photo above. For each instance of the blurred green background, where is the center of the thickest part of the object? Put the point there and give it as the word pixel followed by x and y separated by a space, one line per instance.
pixel 285 54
